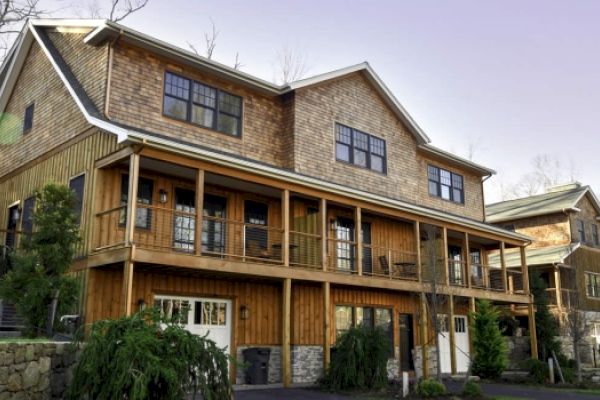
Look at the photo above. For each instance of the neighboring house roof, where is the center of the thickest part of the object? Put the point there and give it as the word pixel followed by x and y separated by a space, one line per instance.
pixel 124 133
pixel 542 204
pixel 536 256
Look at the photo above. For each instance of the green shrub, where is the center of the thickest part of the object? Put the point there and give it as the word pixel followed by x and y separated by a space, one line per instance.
pixel 538 370
pixel 143 357
pixel 430 388
pixel 37 278
pixel 489 346
pixel 472 389
pixel 360 360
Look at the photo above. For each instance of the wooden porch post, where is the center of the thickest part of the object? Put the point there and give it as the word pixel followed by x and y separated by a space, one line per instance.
pixel 417 227
pixel 285 216
pixel 557 286
pixel 285 342
pixel 424 336
pixel 359 239
pixel 326 325
pixel 468 259
pixel 199 209
pixel 445 253
pixel 471 310
pixel 134 171
pixel 524 270
pixel 95 223
pixel 323 228
pixel 503 266
pixel 452 334
pixel 532 330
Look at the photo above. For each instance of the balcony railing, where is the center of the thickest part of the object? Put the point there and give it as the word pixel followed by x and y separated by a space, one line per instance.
pixel 515 280
pixel 341 256
pixel 110 228
pixel 456 273
pixel 389 263
pixel 485 276
pixel 567 297
pixel 305 250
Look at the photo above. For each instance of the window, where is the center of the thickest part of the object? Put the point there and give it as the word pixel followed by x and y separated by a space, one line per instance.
pixel 76 185
pixel 592 284
pixel 371 317
pixel 213 224
pixel 595 235
pixel 27 218
pixel 359 148
pixel 173 310
pixel 581 230
pixel 203 105
pixel 28 119
pixel 257 234
pixel 184 221
pixel 210 313
pixel 445 184
pixel 143 215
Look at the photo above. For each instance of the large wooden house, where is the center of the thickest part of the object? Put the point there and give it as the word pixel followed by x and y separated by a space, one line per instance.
pixel 279 216
pixel 563 223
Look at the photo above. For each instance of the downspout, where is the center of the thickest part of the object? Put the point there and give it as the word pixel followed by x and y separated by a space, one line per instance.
pixel 109 75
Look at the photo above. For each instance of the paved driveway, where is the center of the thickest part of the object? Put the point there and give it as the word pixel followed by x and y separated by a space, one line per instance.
pixel 287 394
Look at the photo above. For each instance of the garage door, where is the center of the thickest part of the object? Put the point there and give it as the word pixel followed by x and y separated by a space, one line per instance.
pixel 461 338
pixel 205 316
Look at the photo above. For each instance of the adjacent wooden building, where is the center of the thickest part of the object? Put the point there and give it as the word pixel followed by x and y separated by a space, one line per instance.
pixel 279 215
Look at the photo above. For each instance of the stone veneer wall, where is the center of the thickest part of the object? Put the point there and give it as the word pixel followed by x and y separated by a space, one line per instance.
pixel 307 364
pixel 519 350
pixel 35 370
pixel 274 364
pixel 418 361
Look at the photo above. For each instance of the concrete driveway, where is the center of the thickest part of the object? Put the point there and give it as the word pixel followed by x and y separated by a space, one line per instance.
pixel 287 394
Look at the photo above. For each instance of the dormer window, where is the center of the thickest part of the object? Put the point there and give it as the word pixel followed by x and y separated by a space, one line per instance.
pixel 360 148
pixel 202 105
pixel 445 184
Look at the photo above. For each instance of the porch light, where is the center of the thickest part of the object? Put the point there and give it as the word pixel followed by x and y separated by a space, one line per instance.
pixel 244 312
pixel 162 196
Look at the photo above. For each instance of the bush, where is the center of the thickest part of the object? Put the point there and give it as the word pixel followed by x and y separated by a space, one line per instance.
pixel 36 280
pixel 472 389
pixel 538 370
pixel 143 357
pixel 489 346
pixel 360 360
pixel 430 388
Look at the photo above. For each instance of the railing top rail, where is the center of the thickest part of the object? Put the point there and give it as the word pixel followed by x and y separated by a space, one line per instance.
pixel 315 235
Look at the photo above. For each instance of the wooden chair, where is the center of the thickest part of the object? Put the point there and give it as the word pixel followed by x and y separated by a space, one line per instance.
pixel 384 264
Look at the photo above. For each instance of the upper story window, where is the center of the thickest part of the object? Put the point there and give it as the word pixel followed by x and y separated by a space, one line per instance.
pixel 27 217
pixel 581 230
pixel 359 148
pixel 595 235
pixel 592 284
pixel 445 184
pixel 77 185
pixel 203 105
pixel 28 119
pixel 143 214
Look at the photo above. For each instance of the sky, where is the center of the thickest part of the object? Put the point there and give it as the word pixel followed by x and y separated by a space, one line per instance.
pixel 513 79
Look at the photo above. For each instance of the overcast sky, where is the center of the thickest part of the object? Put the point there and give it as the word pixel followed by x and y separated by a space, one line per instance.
pixel 514 78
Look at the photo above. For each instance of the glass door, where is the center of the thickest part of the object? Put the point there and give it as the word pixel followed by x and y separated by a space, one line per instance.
pixel 344 234
pixel 184 219
pixel 213 224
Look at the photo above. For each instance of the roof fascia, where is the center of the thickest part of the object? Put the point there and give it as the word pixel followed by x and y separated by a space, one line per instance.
pixel 15 64
pixel 437 152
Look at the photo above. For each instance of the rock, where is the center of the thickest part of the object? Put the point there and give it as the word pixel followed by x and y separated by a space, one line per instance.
pixel 58 384
pixel 19 367
pixel 29 353
pixel 14 383
pixel 3 375
pixel 44 365
pixel 6 358
pixel 19 354
pixel 31 375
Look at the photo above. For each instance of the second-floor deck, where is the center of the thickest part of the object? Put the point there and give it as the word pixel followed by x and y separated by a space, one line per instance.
pixel 184 214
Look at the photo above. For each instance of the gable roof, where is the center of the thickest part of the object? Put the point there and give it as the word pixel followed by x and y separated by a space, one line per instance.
pixel 542 204
pixel 536 256
pixel 34 31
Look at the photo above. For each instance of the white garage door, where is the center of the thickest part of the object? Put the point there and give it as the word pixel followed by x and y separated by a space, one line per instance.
pixel 461 338
pixel 205 315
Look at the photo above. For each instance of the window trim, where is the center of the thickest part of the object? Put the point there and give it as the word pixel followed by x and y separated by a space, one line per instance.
pixel 190 103
pixel 587 293
pixel 439 185
pixel 351 146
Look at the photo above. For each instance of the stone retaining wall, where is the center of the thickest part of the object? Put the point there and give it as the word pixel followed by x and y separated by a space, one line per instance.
pixel 307 364
pixel 35 370
pixel 519 350
pixel 418 361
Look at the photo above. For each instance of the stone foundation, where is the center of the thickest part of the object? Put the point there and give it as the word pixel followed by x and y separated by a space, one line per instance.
pixel 35 370
pixel 418 361
pixel 274 364
pixel 307 364
pixel 586 349
pixel 519 350
pixel 393 365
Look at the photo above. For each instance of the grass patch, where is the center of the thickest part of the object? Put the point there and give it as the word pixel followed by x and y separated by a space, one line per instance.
pixel 25 340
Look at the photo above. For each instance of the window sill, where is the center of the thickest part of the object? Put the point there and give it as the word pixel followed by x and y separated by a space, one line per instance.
pixel 192 124
pixel 361 168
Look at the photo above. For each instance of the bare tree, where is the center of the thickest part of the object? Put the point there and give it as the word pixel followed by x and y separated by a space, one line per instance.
pixel 121 9
pixel 13 13
pixel 238 64
pixel 291 65
pixel 210 42
pixel 575 318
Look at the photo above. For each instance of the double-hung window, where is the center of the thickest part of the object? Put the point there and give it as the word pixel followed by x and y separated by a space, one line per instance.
pixel 143 214
pixel 203 105
pixel 370 317
pixel 595 235
pixel 592 284
pixel 360 148
pixel 445 184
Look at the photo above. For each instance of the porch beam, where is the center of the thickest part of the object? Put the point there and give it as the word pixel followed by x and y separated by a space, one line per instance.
pixel 286 309
pixel 199 209
pixel 285 216
pixel 452 334
pixel 359 239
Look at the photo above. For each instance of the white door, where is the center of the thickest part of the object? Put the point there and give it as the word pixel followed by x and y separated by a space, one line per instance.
pixel 205 316
pixel 461 339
